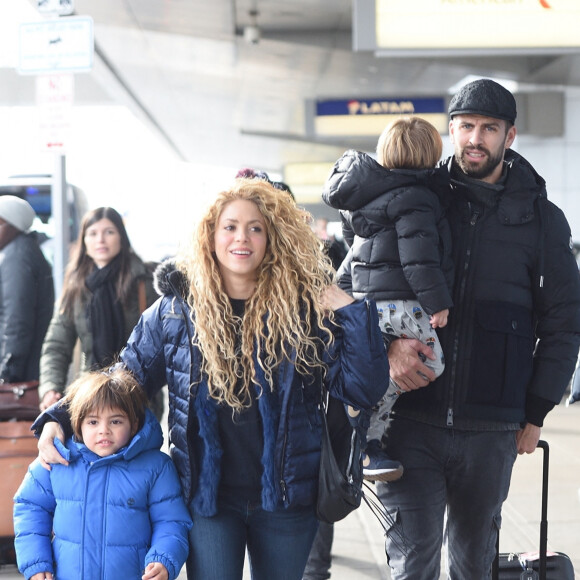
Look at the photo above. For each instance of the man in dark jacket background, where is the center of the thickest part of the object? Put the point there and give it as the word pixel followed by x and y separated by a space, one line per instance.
pixel 26 292
pixel 510 348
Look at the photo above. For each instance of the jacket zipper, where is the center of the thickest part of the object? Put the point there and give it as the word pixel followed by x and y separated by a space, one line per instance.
pixel 474 217
pixel 283 454
pixel 103 531
pixel 177 298
pixel 283 488
pixel 369 334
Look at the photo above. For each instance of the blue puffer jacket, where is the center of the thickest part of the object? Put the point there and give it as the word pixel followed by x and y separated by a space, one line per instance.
pixel 160 351
pixel 111 516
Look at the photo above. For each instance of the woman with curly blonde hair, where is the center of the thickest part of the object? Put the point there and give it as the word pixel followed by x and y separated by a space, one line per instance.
pixel 246 331
pixel 292 269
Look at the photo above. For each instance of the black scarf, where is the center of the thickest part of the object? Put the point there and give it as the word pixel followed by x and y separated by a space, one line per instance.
pixel 105 313
pixel 476 190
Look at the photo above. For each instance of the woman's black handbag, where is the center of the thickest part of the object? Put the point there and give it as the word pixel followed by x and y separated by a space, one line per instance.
pixel 340 478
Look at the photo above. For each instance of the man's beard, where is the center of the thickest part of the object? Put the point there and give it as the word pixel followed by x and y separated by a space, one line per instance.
pixel 479 170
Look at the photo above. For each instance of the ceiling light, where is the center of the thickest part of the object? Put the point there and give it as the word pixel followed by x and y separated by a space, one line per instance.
pixel 252 32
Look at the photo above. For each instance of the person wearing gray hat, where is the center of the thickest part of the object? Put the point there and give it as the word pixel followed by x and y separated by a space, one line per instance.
pixel 17 212
pixel 510 347
pixel 26 292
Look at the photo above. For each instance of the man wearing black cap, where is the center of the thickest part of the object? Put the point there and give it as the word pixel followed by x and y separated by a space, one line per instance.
pixel 510 347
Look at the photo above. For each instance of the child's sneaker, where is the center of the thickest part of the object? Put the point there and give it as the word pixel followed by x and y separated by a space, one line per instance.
pixel 378 466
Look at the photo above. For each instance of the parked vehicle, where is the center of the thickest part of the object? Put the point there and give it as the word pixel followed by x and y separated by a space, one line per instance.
pixel 37 190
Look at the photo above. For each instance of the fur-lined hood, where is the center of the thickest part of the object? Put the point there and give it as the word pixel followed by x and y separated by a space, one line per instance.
pixel 169 280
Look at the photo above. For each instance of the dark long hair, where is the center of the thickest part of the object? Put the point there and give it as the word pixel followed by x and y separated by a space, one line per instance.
pixel 81 264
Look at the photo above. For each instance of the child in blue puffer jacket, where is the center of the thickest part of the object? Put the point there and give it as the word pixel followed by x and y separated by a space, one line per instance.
pixel 117 510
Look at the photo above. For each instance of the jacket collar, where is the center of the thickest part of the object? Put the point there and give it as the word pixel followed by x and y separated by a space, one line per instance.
pixel 148 437
pixel 514 195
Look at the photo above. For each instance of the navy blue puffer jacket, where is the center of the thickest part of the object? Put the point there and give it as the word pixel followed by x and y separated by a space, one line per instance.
pixel 160 351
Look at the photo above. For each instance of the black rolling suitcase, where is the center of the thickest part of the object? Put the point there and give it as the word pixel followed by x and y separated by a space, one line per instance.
pixel 540 565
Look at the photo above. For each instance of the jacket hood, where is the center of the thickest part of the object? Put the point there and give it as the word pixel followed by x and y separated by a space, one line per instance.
pixel 530 177
pixel 169 280
pixel 148 437
pixel 357 179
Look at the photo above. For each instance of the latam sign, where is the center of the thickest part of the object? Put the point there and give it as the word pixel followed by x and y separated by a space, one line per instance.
pixel 368 117
pixel 495 25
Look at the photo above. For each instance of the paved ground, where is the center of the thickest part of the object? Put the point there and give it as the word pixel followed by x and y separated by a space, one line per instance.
pixel 358 552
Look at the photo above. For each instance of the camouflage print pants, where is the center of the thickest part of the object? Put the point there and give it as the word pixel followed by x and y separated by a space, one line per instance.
pixel 405 319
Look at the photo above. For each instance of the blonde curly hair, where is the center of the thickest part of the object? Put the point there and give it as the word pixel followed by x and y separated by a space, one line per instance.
pixel 283 314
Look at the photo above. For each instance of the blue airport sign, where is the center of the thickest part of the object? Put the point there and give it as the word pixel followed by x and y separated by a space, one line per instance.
pixel 390 106
pixel 368 117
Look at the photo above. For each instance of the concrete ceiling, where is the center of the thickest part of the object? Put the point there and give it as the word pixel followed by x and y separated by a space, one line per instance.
pixel 184 67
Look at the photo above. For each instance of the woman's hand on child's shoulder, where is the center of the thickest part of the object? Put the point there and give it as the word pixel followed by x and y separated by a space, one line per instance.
pixel 47 452
pixel 334 298
pixel 42 576
pixel 155 570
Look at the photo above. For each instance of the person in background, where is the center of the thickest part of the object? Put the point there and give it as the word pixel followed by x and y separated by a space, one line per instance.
pixel 510 345
pixel 247 330
pixel 320 557
pixel 393 214
pixel 106 287
pixel 26 292
pixel 116 511
pixel 249 173
pixel 574 395
pixel 336 250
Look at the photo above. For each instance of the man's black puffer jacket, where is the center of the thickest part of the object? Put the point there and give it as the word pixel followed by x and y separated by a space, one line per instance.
pixel 395 224
pixel 512 339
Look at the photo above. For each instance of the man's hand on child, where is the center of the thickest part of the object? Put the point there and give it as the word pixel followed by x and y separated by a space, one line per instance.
pixel 439 319
pixel 42 576
pixel 155 570
pixel 407 368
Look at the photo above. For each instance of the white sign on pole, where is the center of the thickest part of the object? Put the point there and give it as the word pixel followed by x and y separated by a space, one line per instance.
pixel 54 97
pixel 55 46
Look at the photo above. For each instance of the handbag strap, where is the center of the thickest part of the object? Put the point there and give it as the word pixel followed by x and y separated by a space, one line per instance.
pixel 142 296
pixel 385 519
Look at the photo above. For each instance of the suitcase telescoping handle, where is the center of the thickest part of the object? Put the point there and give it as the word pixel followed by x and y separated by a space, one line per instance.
pixel 543 445
pixel 544 521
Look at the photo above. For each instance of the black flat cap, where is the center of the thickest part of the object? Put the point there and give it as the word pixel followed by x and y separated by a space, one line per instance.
pixel 484 97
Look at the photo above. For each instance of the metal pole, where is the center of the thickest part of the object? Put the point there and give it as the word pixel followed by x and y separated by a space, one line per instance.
pixel 60 215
